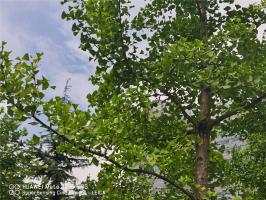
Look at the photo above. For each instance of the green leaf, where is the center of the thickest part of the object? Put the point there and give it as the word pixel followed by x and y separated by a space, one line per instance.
pixel 75 29
pixel 227 8
pixel 95 161
pixel 64 15
pixel 45 83
pixel 36 139
pixel 10 112
pixel 3 43
pixel 26 57
pixel 33 123
pixel 39 55
pixel 237 6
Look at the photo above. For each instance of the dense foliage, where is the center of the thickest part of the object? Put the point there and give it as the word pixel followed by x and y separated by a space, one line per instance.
pixel 174 78
pixel 13 159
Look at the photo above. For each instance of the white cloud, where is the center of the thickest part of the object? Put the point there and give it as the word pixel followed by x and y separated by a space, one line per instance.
pixel 246 2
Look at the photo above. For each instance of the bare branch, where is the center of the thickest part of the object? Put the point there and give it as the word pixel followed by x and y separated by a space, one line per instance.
pixel 245 106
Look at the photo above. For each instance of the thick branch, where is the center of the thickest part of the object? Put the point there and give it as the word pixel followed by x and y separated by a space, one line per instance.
pixel 117 164
pixel 245 106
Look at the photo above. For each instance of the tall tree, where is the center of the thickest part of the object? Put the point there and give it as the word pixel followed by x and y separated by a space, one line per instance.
pixel 202 57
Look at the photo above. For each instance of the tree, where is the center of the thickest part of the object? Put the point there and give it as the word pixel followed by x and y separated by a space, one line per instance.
pixel 22 91
pixel 203 58
pixel 171 78
pixel 54 168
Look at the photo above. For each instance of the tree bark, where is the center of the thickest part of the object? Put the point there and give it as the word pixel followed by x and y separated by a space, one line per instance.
pixel 202 158
pixel 202 143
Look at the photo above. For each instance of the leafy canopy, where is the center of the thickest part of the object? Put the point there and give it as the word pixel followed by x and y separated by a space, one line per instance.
pixel 153 65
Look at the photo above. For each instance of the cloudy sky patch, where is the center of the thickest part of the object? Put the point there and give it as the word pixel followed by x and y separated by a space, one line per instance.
pixel 31 26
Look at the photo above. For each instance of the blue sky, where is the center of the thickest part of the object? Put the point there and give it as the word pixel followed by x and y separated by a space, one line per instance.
pixel 31 26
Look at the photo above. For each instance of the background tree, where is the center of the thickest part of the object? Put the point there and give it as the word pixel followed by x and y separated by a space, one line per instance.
pixel 55 167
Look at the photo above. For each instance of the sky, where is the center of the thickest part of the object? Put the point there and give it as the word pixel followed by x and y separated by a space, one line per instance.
pixel 31 26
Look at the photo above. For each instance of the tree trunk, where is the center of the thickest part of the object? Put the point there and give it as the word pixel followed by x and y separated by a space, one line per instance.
pixel 202 143
pixel 202 158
